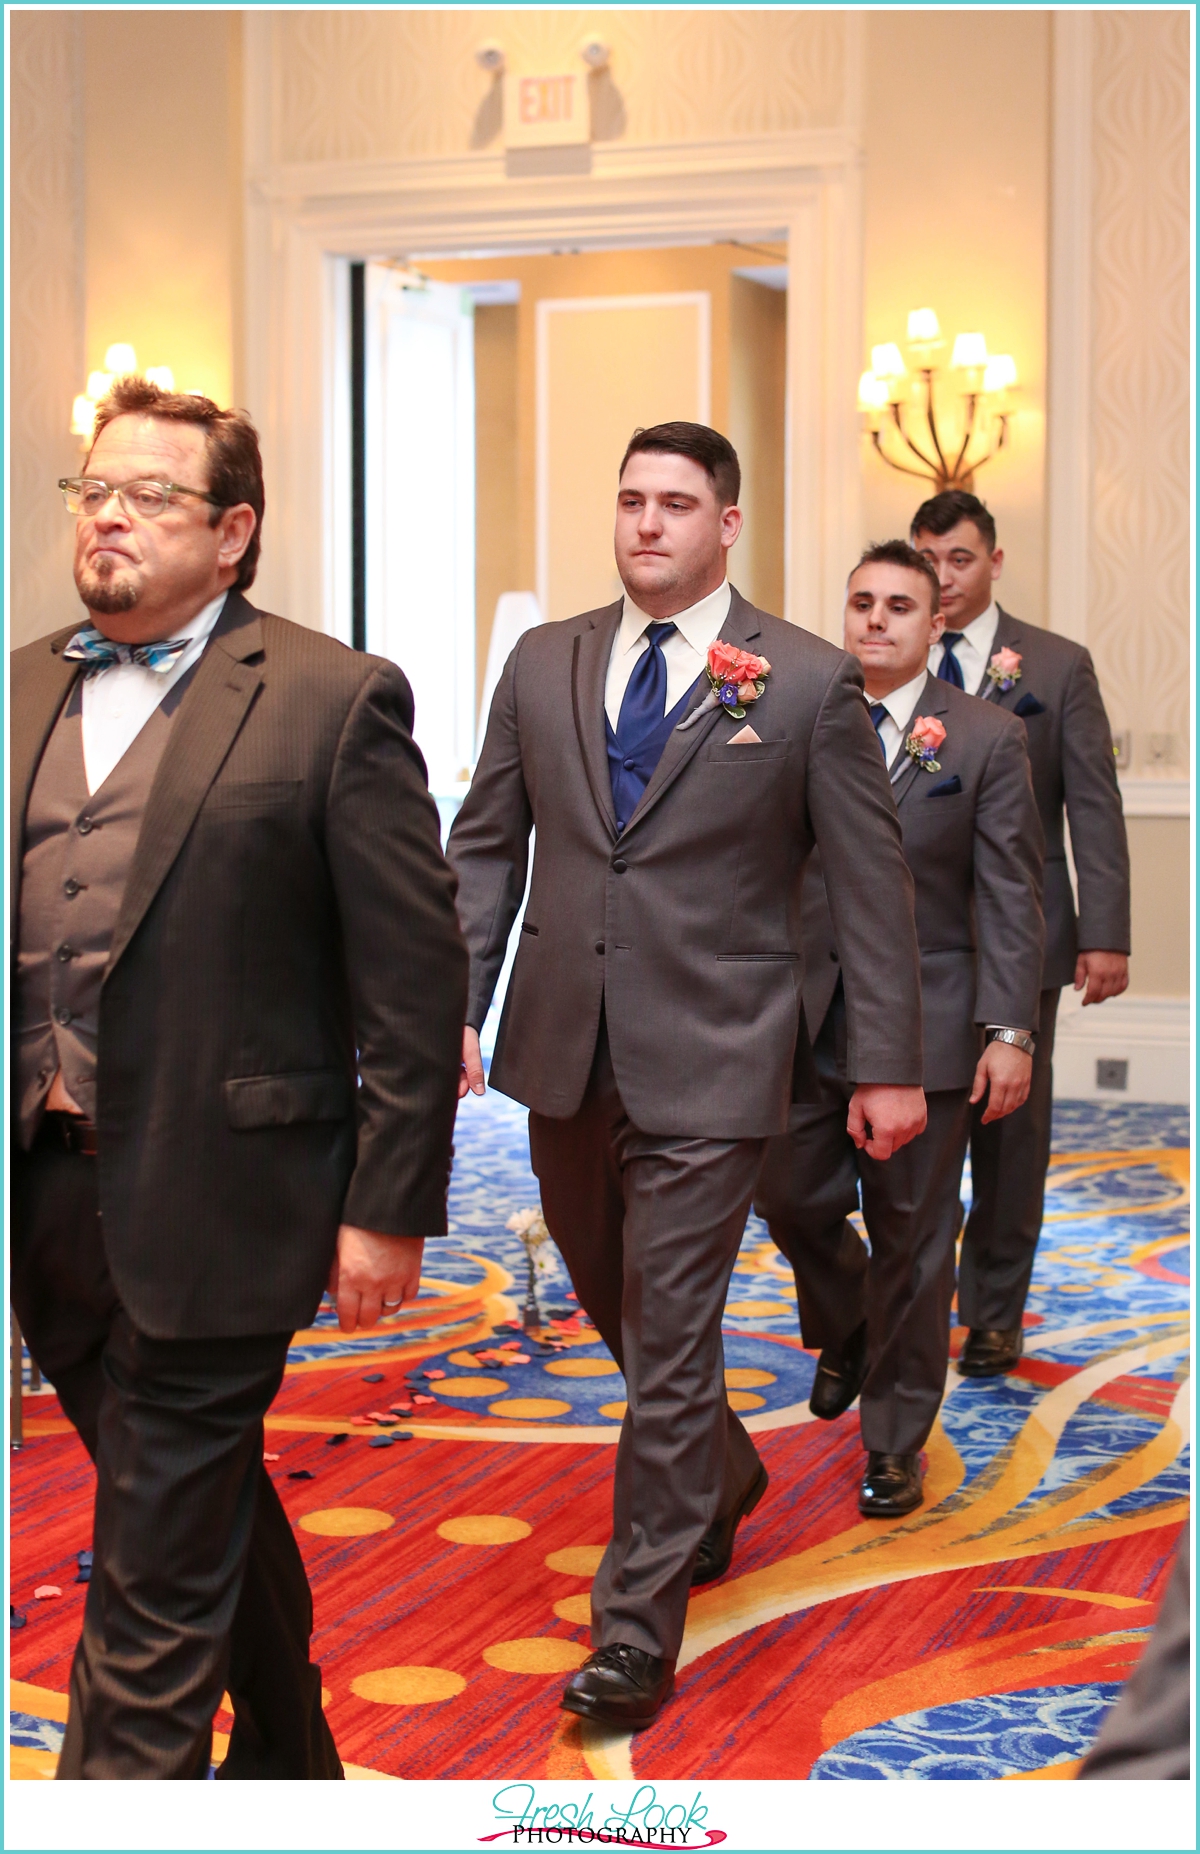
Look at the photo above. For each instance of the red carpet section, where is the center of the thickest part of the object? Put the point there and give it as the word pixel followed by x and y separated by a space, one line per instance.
pixel 451 1523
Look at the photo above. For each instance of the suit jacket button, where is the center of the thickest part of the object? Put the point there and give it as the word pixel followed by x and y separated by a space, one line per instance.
pixel 620 866
pixel 85 825
pixel 833 954
pixel 599 946
pixel 62 1015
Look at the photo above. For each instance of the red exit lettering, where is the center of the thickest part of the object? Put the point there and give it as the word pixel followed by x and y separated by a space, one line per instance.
pixel 546 99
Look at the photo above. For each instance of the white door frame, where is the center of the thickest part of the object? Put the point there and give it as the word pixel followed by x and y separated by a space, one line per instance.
pixel 302 218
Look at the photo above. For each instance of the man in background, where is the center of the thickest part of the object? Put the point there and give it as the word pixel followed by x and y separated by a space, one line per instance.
pixel 1049 682
pixel 973 844
pixel 238 1005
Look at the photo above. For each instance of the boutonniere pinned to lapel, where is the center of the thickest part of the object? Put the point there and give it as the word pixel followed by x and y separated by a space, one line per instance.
pixel 1005 669
pixel 922 744
pixel 735 677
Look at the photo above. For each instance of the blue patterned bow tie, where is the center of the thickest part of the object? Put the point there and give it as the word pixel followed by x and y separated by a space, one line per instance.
pixel 100 653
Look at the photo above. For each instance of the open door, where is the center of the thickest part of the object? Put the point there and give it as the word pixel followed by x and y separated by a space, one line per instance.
pixel 419 441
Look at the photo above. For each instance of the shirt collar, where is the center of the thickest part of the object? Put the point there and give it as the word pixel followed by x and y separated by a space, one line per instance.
pixel 901 704
pixel 700 624
pixel 982 630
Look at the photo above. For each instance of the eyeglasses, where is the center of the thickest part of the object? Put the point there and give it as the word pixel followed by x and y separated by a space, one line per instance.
pixel 144 498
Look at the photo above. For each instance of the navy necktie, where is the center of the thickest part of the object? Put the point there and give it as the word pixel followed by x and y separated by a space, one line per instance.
pixel 643 708
pixel 950 669
pixel 878 717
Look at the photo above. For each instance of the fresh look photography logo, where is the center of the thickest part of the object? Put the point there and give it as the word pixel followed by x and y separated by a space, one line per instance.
pixel 647 1821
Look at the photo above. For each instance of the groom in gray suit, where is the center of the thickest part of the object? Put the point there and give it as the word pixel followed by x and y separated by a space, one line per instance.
pixel 973 844
pixel 1049 683
pixel 680 754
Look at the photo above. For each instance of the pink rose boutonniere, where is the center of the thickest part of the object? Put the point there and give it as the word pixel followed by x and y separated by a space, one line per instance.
pixel 1005 669
pixel 735 677
pixel 922 744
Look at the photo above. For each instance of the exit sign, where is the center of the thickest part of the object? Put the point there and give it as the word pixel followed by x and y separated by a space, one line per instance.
pixel 545 109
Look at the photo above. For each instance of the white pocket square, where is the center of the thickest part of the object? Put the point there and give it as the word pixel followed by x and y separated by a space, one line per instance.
pixel 745 737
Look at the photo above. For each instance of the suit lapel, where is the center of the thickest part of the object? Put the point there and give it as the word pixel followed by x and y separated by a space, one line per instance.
pixel 45 685
pixel 932 702
pixel 223 687
pixel 740 626
pixel 1007 637
pixel 589 673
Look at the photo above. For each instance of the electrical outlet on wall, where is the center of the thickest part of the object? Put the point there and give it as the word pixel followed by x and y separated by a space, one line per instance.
pixel 1160 749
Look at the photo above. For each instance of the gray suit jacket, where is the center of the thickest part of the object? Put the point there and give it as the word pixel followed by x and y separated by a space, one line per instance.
pixel 973 843
pixel 1071 753
pixel 281 1016
pixel 688 926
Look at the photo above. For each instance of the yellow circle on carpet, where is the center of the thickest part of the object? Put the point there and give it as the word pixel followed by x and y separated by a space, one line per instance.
pixel 616 1410
pixel 744 1400
pixel 536 1654
pixel 757 1309
pixel 407 1686
pixel 529 1407
pixel 582 1368
pixel 466 1359
pixel 470 1387
pixel 346 1522
pixel 483 1529
pixel 575 1609
pixel 576 1560
pixel 745 1377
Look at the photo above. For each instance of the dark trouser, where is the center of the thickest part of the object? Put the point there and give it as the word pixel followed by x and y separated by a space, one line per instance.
pixel 1008 1179
pixel 809 1185
pixel 649 1227
pixel 197 1583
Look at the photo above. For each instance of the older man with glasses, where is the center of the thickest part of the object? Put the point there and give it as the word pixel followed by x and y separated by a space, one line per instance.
pixel 238 1008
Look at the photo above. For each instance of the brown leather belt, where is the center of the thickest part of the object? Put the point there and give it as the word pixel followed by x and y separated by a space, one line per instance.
pixel 73 1131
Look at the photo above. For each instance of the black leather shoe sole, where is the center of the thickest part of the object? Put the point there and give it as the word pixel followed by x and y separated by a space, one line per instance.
pixel 617 1713
pixel 716 1547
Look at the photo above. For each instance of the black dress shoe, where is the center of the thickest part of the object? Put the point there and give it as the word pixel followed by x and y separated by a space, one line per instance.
pixel 989 1353
pixel 891 1486
pixel 716 1547
pixel 841 1374
pixel 620 1685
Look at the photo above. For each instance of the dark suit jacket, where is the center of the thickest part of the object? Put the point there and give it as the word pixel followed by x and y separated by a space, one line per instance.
pixel 1071 753
pixel 288 904
pixel 973 842
pixel 688 926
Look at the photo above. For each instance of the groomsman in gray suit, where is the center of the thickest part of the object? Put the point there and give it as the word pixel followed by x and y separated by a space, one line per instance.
pixel 680 754
pixel 1049 682
pixel 973 844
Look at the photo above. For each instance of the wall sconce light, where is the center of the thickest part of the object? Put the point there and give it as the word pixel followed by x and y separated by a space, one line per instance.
pixel 490 56
pixel 119 360
pixel 595 54
pixel 982 380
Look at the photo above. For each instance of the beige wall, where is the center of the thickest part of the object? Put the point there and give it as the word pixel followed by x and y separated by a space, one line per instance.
pixel 497 533
pixel 956 126
pixel 757 398
pixel 1159 853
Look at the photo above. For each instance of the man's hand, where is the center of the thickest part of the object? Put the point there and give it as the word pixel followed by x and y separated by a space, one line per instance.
pixel 471 1075
pixel 883 1118
pixel 1106 975
pixel 1004 1073
pixel 373 1275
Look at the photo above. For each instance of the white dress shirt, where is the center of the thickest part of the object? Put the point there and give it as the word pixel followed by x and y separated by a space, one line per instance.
pixel 901 706
pixel 118 701
pixel 975 652
pixel 685 653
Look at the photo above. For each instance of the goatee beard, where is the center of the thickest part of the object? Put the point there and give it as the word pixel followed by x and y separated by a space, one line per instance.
pixel 100 594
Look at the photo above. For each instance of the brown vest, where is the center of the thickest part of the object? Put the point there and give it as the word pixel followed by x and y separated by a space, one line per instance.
pixel 77 855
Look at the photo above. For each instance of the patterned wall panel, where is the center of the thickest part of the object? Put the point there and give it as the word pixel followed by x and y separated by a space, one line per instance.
pixel 382 84
pixel 46 307
pixel 1138 620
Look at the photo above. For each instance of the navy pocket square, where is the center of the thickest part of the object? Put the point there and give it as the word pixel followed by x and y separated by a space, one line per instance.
pixel 945 788
pixel 1029 705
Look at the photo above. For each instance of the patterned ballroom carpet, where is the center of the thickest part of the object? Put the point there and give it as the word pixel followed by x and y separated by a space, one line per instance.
pixel 982 1637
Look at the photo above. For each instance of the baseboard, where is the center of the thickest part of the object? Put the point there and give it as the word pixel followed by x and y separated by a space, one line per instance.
pixel 1152 1036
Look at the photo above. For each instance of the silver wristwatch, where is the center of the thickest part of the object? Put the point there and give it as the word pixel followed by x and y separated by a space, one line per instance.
pixel 1021 1039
